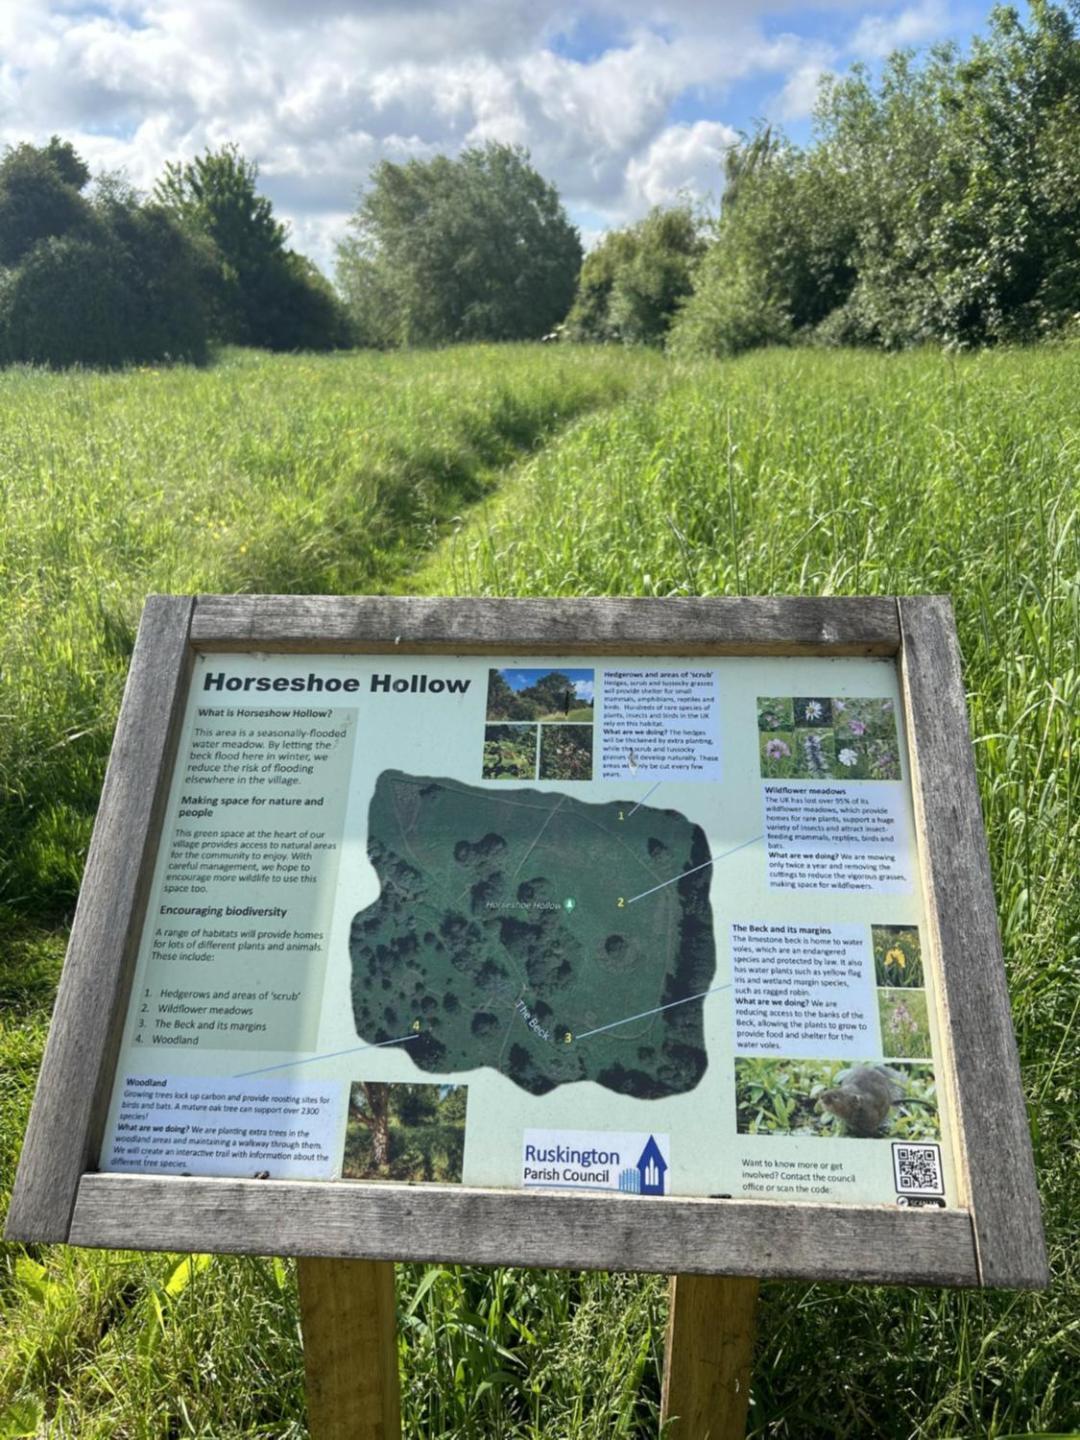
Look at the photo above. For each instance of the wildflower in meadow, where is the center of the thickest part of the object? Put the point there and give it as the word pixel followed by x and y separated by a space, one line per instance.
pixel 902 1018
pixel 777 750
pixel 884 765
pixel 847 757
pixel 813 710
pixel 815 757
pixel 858 728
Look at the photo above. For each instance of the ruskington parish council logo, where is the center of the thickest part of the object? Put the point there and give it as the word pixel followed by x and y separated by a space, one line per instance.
pixel 633 1162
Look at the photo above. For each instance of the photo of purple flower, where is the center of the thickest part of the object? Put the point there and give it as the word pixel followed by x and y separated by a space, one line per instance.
pixel 821 738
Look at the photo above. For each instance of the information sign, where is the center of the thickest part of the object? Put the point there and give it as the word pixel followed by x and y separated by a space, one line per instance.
pixel 471 920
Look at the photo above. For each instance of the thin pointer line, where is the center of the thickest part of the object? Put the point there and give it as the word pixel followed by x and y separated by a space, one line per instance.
pixel 711 861
pixel 554 810
pixel 645 797
pixel 332 1055
pixel 669 1006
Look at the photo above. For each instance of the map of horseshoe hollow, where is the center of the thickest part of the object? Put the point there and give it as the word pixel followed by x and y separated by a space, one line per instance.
pixel 547 938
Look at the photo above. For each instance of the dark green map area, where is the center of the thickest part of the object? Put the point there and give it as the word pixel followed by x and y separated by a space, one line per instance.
pixel 499 938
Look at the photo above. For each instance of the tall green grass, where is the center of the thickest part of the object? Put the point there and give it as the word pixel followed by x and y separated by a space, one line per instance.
pixel 783 472
pixel 830 474
pixel 280 474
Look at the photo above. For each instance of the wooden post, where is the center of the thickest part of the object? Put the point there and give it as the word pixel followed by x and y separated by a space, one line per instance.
pixel 710 1342
pixel 350 1349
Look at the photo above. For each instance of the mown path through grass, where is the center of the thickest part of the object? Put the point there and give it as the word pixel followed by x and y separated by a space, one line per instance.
pixel 262 473
pixel 784 472
pixel 273 474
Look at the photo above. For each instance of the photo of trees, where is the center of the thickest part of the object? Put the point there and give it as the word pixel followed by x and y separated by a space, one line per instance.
pixel 405 1132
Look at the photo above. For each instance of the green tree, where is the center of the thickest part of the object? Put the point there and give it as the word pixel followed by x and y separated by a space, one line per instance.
pixel 632 284
pixel 500 696
pixel 940 202
pixel 590 316
pixel 472 248
pixel 779 258
pixel 40 197
pixel 551 693
pixel 1007 244
pixel 265 294
pixel 99 280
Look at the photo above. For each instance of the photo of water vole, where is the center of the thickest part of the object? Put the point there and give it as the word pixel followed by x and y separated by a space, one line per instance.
pixel 864 1100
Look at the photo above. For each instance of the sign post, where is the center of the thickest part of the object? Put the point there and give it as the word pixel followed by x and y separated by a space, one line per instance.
pixel 708 1355
pixel 614 934
pixel 350 1349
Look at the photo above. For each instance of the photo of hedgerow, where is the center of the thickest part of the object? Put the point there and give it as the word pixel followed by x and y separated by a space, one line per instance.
pixel 566 752
pixel 865 1100
pixel 405 1132
pixel 524 694
pixel 818 738
pixel 897 955
pixel 509 752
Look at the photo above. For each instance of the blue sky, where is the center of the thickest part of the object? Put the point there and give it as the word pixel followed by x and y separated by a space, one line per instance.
pixel 522 679
pixel 623 104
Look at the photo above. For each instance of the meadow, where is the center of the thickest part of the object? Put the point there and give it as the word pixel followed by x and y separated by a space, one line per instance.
pixel 558 471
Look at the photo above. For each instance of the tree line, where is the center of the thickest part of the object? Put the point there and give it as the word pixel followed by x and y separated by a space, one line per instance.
pixel 102 275
pixel 939 202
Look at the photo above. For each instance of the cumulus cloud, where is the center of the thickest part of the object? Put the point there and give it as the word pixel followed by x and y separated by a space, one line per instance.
pixel 799 96
pixel 682 160
pixel 621 103
pixel 878 35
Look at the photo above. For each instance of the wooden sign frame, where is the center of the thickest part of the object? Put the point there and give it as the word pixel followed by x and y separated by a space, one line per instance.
pixel 995 1236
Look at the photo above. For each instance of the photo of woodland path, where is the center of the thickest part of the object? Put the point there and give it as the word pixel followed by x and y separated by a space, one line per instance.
pixel 852 371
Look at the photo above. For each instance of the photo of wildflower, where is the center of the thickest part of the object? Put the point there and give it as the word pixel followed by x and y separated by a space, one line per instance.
pixel 905 1024
pixel 775 713
pixel 897 955
pixel 866 740
pixel 818 738
pixel 813 713
pixel 566 752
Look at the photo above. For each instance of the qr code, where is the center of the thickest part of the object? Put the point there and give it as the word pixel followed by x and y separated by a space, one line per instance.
pixel 918 1169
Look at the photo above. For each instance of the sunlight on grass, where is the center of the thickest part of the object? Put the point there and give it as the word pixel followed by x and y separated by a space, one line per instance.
pixel 824 473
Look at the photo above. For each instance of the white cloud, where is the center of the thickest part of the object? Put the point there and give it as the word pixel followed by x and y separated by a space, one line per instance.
pixel 318 91
pixel 799 96
pixel 682 160
pixel 878 35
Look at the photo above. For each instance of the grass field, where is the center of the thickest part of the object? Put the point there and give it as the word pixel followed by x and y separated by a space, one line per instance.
pixel 608 473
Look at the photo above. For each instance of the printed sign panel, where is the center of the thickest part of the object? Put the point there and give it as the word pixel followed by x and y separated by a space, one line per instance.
pixel 650 925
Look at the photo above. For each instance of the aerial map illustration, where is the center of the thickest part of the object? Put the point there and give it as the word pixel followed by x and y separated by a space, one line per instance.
pixel 525 930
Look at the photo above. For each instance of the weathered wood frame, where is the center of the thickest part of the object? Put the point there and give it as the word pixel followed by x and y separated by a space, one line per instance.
pixel 995 1238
